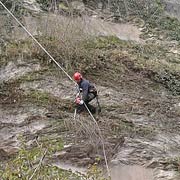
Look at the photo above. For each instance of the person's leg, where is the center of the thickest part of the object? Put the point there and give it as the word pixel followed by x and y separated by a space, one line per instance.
pixel 91 108
pixel 80 108
pixel 91 96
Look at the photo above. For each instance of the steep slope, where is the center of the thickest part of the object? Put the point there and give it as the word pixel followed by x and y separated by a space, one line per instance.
pixel 138 86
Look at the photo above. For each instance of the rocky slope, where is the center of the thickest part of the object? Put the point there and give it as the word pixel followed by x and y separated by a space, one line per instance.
pixel 138 84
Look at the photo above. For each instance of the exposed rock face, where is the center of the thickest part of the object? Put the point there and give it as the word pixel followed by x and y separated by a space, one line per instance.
pixel 147 112
pixel 82 155
pixel 172 7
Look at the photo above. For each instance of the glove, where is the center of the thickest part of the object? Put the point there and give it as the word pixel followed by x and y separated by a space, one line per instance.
pixel 79 101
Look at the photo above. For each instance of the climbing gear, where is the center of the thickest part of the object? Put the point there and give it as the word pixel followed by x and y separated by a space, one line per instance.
pixel 81 102
pixel 77 76
pixel 93 90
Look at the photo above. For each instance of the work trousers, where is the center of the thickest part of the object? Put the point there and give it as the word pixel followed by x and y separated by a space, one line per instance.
pixel 82 107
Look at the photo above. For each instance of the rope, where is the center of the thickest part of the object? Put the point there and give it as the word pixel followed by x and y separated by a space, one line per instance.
pixel 100 134
pixel 104 152
pixel 37 42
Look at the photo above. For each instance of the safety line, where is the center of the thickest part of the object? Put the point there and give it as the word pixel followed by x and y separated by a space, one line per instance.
pixel 102 140
pixel 37 42
pixel 105 157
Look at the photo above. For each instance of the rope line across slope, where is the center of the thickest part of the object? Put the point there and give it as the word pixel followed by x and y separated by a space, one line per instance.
pixel 105 157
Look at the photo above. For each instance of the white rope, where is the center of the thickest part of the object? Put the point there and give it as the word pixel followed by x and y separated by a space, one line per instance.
pixel 102 140
pixel 37 41
pixel 104 152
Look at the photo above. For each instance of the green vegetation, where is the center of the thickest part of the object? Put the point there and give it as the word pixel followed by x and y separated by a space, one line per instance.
pixel 47 100
pixel 44 4
pixel 35 163
pixel 156 62
pixel 164 27
pixel 106 58
pixel 40 98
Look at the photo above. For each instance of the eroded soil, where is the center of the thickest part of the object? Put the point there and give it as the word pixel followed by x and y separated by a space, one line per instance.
pixel 139 119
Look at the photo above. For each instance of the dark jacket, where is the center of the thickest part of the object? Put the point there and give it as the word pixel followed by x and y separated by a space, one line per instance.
pixel 86 88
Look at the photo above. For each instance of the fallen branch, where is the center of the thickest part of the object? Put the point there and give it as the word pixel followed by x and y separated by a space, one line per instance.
pixel 39 165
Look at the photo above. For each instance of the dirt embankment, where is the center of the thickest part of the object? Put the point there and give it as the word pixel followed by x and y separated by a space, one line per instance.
pixel 139 119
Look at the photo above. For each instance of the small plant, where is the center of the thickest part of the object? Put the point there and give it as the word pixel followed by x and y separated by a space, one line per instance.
pixel 30 164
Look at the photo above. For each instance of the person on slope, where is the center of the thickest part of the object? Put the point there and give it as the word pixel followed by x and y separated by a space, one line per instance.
pixel 86 93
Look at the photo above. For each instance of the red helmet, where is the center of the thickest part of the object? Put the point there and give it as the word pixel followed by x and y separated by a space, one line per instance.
pixel 77 76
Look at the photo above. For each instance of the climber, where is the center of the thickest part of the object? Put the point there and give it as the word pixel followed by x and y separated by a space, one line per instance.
pixel 86 93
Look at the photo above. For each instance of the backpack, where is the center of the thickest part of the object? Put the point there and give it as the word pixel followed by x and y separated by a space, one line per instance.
pixel 92 89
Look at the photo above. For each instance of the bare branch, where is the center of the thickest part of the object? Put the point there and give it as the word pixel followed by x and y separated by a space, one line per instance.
pixel 39 165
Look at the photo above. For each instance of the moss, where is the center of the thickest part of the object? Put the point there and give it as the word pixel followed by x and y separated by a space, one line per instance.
pixel 165 26
pixel 170 80
pixel 47 100
pixel 24 164
pixel 30 77
pixel 39 97
pixel 29 162
pixel 3 61
pixel 103 42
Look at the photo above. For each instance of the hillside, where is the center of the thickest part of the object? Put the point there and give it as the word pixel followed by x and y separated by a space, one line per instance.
pixel 131 54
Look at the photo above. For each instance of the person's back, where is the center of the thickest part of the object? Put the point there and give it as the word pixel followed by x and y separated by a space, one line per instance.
pixel 88 91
